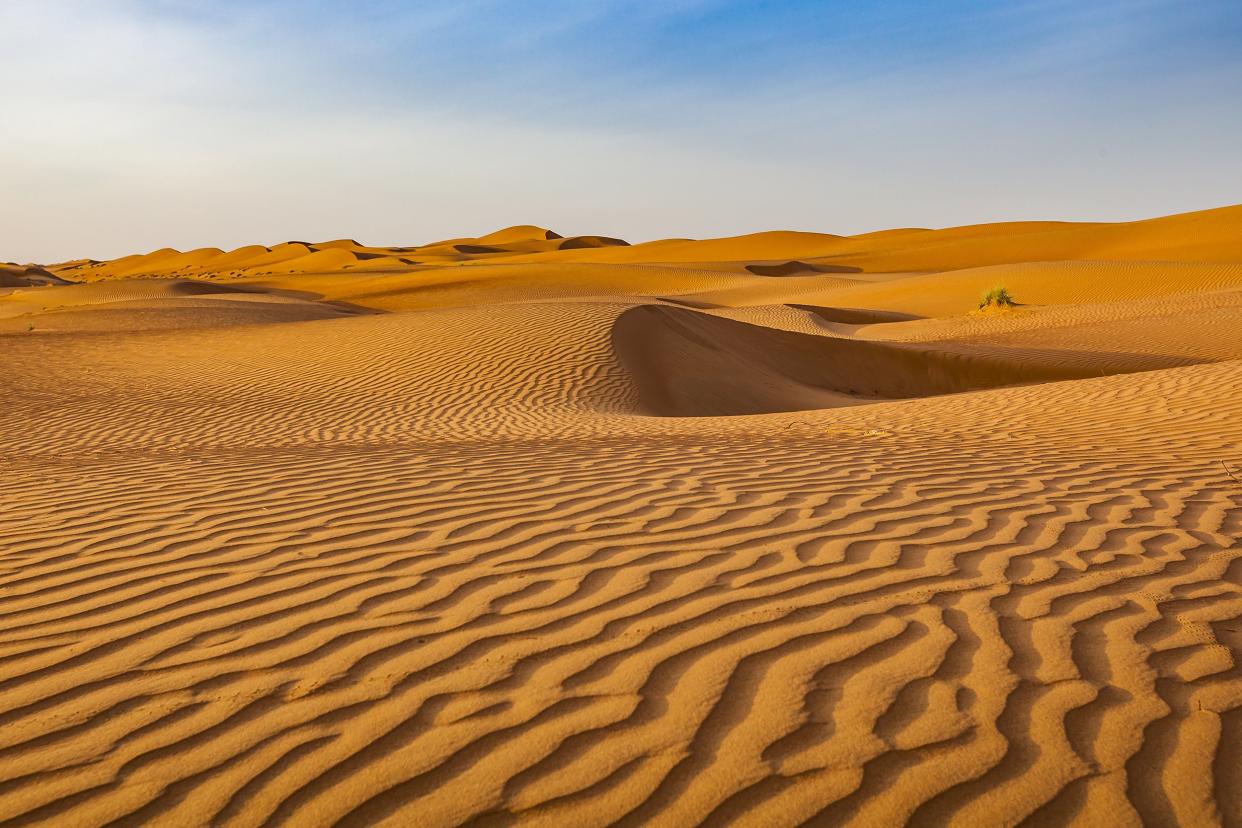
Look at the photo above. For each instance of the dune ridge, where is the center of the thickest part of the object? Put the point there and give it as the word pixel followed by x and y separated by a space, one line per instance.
pixel 628 534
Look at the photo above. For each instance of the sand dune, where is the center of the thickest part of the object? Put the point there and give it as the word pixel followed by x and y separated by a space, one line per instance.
pixel 15 275
pixel 590 242
pixel 519 233
pixel 325 533
pixel 687 363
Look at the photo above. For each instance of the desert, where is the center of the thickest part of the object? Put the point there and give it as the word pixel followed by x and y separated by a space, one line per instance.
pixel 776 529
pixel 621 413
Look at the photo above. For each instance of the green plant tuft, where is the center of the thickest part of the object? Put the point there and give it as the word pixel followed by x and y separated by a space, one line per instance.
pixel 997 297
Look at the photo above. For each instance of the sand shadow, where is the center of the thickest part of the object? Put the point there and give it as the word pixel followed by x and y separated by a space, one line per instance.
pixel 689 364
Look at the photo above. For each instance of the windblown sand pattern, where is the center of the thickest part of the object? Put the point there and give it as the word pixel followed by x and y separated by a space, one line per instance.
pixel 572 532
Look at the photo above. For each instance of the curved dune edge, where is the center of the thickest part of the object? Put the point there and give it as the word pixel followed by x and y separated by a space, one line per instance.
pixel 336 540
pixel 690 364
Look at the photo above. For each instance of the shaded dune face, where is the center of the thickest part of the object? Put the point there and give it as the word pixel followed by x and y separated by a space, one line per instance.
pixel 856 316
pixel 478 249
pixel 690 364
pixel 591 242
pixel 131 306
pixel 799 268
pixel 14 275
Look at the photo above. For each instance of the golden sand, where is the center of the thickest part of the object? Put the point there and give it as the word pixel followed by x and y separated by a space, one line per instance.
pixel 763 530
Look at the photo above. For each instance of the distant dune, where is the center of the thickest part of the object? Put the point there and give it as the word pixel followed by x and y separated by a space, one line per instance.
pixel 775 529
pixel 15 275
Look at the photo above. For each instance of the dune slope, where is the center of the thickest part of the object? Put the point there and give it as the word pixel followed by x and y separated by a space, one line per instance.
pixel 686 363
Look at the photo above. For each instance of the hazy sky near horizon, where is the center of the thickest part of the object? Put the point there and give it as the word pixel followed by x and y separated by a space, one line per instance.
pixel 135 124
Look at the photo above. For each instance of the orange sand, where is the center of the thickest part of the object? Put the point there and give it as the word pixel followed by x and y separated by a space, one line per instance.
pixel 523 528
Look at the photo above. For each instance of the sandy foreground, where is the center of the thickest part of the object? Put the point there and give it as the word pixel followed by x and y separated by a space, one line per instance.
pixel 769 530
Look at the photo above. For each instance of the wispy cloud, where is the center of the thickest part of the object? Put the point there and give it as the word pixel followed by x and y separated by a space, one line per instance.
pixel 138 123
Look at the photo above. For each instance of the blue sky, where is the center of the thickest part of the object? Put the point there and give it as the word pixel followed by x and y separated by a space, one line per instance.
pixel 133 124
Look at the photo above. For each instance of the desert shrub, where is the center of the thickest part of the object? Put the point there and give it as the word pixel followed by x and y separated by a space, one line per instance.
pixel 997 297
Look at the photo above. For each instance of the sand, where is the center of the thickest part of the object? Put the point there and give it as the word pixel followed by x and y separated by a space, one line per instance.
pixel 769 530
